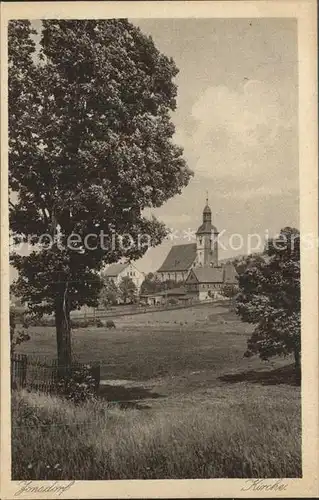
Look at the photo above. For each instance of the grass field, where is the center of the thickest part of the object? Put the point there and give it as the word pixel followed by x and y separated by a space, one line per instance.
pixel 178 399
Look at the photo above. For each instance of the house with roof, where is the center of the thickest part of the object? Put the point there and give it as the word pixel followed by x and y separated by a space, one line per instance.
pixel 205 283
pixel 169 296
pixel 116 272
pixel 197 265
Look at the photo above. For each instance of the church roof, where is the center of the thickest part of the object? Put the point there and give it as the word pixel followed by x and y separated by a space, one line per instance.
pixel 209 274
pixel 231 274
pixel 179 258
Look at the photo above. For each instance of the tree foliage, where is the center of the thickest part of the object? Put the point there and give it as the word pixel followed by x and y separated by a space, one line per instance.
pixel 109 294
pixel 269 297
pixel 244 262
pixel 229 290
pixel 90 147
pixel 128 290
pixel 152 284
pixel 16 336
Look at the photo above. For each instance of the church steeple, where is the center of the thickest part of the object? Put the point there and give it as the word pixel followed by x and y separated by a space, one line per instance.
pixel 206 240
pixel 207 213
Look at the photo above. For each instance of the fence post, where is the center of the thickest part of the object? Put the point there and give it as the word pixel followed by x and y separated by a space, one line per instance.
pixel 24 366
pixel 13 370
pixel 18 370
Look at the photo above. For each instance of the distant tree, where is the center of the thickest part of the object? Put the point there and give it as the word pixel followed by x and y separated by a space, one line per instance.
pixel 269 297
pixel 230 291
pixel 109 294
pixel 128 290
pixel 151 284
pixel 90 147
pixel 169 284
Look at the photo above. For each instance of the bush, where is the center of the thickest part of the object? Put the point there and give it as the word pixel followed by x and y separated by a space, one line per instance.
pixel 19 315
pixel 81 323
pixel 34 321
pixel 80 386
pixel 110 324
pixel 172 302
pixel 16 337
pixel 85 323
pixel 27 321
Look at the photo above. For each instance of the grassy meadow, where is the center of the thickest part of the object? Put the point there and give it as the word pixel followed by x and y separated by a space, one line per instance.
pixel 177 400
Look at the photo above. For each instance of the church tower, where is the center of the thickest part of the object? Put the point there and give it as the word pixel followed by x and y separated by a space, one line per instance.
pixel 207 241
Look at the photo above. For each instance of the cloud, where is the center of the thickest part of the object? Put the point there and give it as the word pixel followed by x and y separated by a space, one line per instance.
pixel 264 191
pixel 248 134
pixel 242 114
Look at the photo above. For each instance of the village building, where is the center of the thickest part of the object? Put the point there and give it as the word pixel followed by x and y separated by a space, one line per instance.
pixel 179 261
pixel 197 265
pixel 182 258
pixel 117 272
pixel 170 296
pixel 204 283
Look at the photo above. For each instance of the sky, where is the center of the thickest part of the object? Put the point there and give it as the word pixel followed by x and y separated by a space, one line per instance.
pixel 237 121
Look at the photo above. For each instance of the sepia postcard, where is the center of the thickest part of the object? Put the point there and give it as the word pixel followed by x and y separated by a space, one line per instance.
pixel 159 249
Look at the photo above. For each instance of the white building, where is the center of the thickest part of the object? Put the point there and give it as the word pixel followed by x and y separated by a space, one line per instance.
pixel 118 271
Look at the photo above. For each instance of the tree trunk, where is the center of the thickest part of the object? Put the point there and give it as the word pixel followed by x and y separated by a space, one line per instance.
pixel 297 366
pixel 63 335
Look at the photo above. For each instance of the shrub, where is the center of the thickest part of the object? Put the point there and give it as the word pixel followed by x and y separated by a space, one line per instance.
pixel 25 321
pixel 35 321
pixel 49 321
pixel 19 315
pixel 16 337
pixel 81 323
pixel 110 324
pixel 172 302
pixel 80 386
pixel 85 323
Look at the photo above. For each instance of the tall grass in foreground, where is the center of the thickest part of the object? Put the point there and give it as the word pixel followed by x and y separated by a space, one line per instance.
pixel 52 439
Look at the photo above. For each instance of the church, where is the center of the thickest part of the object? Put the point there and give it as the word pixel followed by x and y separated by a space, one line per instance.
pixel 197 265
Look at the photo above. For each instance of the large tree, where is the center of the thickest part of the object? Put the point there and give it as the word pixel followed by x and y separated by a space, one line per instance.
pixel 243 262
pixel 90 147
pixel 269 297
